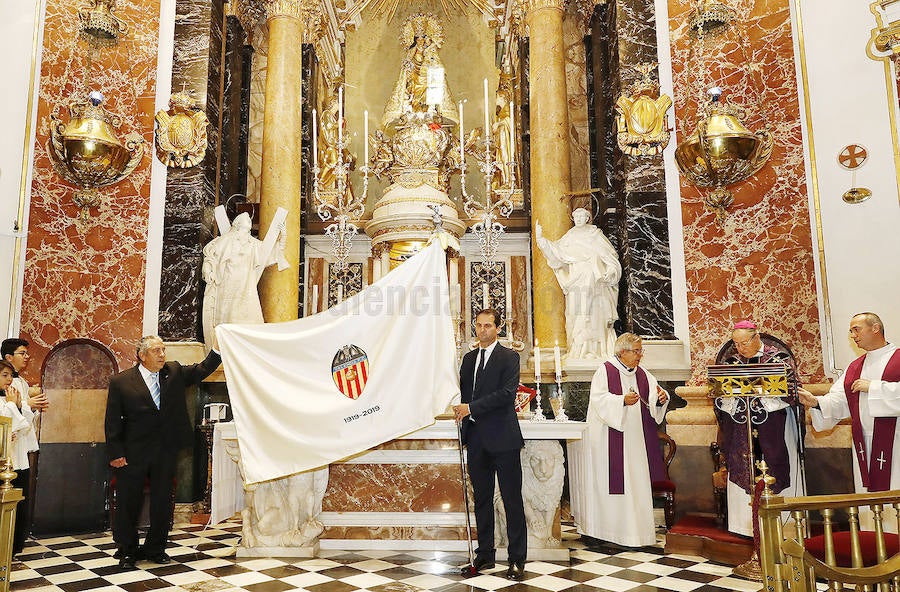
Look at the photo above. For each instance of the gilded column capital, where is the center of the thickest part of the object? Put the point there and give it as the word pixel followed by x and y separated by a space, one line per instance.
pixel 529 7
pixel 291 8
pixel 885 39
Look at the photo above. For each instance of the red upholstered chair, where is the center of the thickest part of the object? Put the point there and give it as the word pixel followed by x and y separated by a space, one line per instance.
pixel 665 489
pixel 861 558
pixel 144 520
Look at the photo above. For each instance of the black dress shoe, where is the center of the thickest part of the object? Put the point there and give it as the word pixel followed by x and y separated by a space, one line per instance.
pixel 479 564
pixel 127 562
pixel 516 571
pixel 160 558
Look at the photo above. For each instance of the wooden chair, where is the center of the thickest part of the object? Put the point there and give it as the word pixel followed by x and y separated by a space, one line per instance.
pixel 866 560
pixel 720 485
pixel 665 489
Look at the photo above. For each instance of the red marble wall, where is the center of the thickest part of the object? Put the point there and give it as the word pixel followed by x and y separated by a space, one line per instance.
pixel 759 262
pixel 89 282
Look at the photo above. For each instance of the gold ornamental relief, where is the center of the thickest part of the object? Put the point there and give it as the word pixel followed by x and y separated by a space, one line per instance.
pixel 641 120
pixel 181 132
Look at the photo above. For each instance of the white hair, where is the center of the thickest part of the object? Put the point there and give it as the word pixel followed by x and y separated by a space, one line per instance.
pixel 627 341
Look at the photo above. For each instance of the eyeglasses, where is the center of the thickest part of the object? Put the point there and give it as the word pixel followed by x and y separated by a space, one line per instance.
pixel 20 353
pixel 745 343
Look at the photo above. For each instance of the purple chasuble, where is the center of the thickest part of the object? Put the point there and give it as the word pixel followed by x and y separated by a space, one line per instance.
pixel 617 438
pixel 875 474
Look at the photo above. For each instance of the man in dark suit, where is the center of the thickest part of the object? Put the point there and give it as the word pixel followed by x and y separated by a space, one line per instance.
pixel 488 379
pixel 147 424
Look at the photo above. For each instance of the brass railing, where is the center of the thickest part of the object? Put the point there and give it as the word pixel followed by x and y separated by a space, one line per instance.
pixel 789 566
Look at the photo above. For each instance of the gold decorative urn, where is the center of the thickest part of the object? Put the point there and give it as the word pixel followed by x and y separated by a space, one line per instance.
pixel 721 151
pixel 86 151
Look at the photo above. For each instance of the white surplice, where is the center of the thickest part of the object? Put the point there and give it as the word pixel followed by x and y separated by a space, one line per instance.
pixel 882 400
pixel 624 519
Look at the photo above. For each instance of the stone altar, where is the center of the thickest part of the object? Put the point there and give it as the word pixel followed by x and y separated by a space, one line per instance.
pixel 406 494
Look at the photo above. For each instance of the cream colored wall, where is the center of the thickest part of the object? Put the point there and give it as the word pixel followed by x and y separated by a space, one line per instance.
pixel 17 31
pixel 850 99
pixel 373 55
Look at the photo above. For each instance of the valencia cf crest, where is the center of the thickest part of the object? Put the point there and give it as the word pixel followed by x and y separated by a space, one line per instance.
pixel 350 370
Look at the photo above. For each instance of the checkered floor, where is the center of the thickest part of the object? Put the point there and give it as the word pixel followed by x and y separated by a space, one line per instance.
pixel 203 561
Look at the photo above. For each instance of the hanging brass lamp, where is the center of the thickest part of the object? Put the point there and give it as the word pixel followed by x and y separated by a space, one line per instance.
pixel 86 151
pixel 99 26
pixel 721 151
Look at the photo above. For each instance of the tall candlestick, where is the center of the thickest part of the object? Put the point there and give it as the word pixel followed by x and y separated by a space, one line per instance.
pixel 485 301
pixel 557 362
pixel 314 305
pixel 340 121
pixel 512 130
pixel 340 293
pixel 366 135
pixel 462 142
pixel 537 362
pixel 454 300
pixel 315 149
pixel 487 117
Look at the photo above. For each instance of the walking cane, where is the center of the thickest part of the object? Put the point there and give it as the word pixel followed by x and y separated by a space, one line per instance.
pixel 470 568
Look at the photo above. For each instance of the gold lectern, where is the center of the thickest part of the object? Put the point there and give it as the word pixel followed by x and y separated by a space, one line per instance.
pixel 748 385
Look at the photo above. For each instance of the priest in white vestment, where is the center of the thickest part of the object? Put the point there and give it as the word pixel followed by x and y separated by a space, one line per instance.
pixel 868 392
pixel 613 464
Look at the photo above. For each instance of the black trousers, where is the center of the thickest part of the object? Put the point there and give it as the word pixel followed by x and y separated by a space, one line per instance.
pixel 507 466
pixel 23 516
pixel 130 480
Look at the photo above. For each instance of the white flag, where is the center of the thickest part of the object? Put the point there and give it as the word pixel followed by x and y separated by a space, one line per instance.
pixel 381 364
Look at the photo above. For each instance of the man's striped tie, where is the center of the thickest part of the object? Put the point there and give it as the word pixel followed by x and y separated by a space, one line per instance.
pixel 154 388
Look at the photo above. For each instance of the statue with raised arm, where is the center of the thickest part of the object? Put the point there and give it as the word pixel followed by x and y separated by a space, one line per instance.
pixel 588 271
pixel 233 262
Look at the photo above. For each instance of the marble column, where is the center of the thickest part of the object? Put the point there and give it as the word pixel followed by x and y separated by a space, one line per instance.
pixel 281 153
pixel 550 161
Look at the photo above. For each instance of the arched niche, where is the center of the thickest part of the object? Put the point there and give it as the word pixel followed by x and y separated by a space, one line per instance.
pixel 72 472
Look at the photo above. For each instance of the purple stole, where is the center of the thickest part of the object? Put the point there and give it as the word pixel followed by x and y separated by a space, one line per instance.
pixel 617 438
pixel 877 475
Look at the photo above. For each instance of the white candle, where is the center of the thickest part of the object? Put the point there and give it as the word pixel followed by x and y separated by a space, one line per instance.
pixel 512 130
pixel 340 292
pixel 454 271
pixel 485 301
pixel 454 300
pixel 315 149
pixel 462 143
pixel 314 305
pixel 340 121
pixel 537 362
pixel 509 314
pixel 366 135
pixel 487 116
pixel 557 362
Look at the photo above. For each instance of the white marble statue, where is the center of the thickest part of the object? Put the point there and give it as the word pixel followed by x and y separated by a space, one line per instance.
pixel 588 271
pixel 543 473
pixel 233 262
pixel 284 512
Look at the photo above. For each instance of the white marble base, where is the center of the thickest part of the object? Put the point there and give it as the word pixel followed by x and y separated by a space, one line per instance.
pixel 432 545
pixel 666 359
pixel 311 551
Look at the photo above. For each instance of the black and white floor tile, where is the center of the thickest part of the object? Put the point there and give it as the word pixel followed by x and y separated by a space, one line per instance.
pixel 203 561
